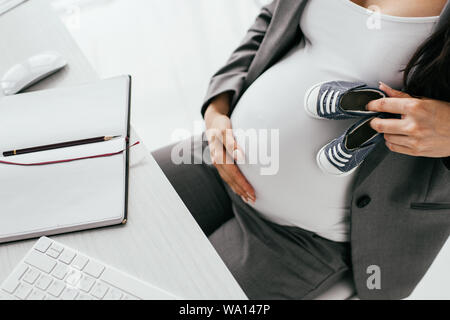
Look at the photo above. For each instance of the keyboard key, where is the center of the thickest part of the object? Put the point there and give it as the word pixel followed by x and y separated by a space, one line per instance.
pixel 67 256
pixel 83 296
pixel 60 271
pixel 40 261
pixel 50 297
pixel 23 291
pixel 53 253
pixel 80 262
pixel 31 276
pixel 99 290
pixel 56 288
pixel 73 277
pixel 20 271
pixel 43 244
pixel 11 285
pixel 36 295
pixel 94 269
pixel 86 283
pixel 57 247
pixel 113 294
pixel 69 294
pixel 43 282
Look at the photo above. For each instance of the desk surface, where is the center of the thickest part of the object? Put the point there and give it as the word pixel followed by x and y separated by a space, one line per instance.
pixel 161 243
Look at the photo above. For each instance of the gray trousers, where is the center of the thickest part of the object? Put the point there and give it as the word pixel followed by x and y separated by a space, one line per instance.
pixel 269 261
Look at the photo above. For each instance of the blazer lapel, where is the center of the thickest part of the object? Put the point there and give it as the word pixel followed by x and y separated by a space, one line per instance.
pixel 283 31
pixel 445 16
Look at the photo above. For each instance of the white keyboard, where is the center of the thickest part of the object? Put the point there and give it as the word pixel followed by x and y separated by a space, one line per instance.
pixel 52 271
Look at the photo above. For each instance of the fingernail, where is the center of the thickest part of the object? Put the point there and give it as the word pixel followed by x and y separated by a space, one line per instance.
pixel 382 84
pixel 244 199
pixel 251 197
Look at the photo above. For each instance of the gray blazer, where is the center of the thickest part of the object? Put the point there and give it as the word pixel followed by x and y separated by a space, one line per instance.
pixel 400 205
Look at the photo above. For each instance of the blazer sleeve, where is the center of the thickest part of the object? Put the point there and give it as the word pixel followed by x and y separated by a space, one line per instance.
pixel 231 77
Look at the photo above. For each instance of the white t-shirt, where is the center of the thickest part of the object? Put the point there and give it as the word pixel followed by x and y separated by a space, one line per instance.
pixel 343 42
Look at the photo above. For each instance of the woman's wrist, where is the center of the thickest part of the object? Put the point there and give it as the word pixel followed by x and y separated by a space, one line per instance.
pixel 443 118
pixel 219 106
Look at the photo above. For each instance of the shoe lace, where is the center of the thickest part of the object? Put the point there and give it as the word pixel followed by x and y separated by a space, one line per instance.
pixel 328 101
pixel 337 156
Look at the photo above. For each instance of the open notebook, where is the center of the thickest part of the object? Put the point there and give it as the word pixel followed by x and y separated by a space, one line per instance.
pixel 72 196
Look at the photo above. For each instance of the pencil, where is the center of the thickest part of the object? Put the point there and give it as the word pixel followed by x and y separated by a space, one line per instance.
pixel 58 146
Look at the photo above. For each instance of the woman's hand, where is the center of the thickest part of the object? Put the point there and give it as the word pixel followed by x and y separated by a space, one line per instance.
pixel 423 131
pixel 224 149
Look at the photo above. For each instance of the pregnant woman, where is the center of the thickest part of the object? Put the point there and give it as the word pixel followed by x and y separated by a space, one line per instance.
pixel 294 233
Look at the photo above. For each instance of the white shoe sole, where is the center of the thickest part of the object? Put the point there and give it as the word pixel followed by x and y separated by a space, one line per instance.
pixel 306 100
pixel 331 169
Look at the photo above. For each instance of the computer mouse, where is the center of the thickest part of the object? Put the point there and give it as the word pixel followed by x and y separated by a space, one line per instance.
pixel 31 71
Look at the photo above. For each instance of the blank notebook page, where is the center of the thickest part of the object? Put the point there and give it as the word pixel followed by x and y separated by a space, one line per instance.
pixel 69 196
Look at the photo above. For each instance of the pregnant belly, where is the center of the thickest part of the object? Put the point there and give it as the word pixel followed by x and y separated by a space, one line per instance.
pixel 281 142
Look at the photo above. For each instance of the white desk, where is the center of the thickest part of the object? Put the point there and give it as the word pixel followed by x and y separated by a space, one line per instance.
pixel 435 285
pixel 161 243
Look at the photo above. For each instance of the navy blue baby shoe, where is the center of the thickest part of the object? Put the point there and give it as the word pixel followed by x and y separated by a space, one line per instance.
pixel 340 100
pixel 345 154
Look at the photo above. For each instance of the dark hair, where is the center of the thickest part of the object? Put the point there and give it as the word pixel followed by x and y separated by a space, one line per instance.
pixel 428 72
